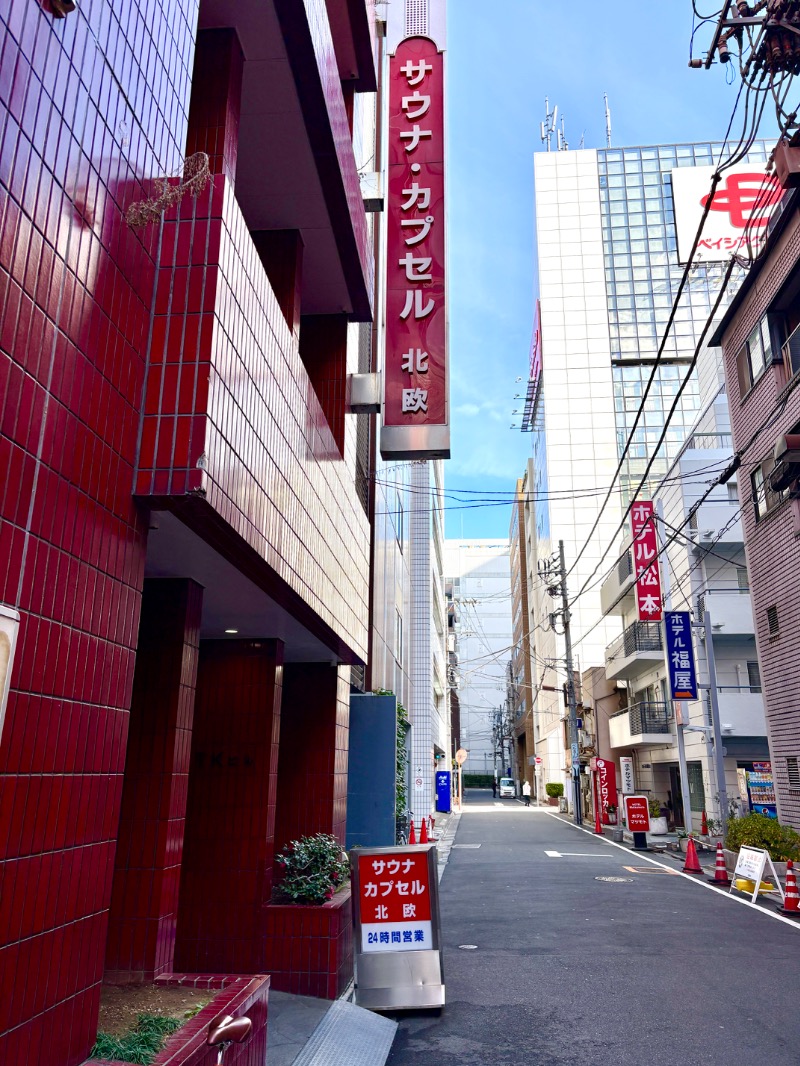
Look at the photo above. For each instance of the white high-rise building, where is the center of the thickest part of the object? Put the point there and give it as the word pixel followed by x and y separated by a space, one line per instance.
pixel 478 571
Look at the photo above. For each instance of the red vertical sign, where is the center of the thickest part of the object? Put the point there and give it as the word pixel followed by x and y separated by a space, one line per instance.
pixel 645 561
pixel 606 786
pixel 416 334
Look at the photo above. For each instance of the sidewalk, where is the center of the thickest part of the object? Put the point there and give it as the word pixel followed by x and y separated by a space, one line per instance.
pixel 304 1031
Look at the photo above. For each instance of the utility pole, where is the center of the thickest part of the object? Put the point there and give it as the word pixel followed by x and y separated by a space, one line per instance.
pixel 573 708
pixel 719 763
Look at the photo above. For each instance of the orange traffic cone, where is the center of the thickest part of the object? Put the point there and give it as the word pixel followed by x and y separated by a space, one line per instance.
pixel 423 831
pixel 412 836
pixel 791 901
pixel 720 871
pixel 704 825
pixel 692 864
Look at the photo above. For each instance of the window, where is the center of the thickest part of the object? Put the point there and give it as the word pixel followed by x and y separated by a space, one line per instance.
pixel 758 352
pixel 733 492
pixel 791 354
pixel 793 770
pixel 754 677
pixel 743 579
pixel 398 636
pixel 772 621
pixel 399 521
pixel 765 498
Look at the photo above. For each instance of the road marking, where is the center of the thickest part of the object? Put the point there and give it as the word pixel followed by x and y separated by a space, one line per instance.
pixel 649 870
pixel 703 884
pixel 573 855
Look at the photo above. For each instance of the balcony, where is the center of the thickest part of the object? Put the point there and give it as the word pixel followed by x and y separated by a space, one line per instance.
pixel 741 712
pixel 616 592
pixel 635 652
pixel 707 524
pixel 731 613
pixel 642 725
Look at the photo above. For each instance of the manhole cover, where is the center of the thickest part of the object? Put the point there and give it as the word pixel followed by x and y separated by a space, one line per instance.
pixel 614 880
pixel 468 947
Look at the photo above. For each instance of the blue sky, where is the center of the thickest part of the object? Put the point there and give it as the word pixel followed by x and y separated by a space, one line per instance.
pixel 503 59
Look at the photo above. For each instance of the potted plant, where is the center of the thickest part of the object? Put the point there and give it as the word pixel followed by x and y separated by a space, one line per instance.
pixel 658 821
pixel 554 790
pixel 611 811
pixel 312 870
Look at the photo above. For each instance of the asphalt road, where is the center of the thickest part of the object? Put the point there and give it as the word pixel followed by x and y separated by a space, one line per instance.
pixel 652 970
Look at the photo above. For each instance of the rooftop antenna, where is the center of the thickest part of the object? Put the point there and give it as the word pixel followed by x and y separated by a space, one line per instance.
pixel 562 138
pixel 608 121
pixel 549 126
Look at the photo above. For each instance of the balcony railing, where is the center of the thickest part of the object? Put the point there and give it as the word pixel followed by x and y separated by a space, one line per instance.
pixel 640 636
pixel 649 716
pixel 709 441
pixel 625 567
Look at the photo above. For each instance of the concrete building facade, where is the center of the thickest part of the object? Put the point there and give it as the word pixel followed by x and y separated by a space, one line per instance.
pixel 759 340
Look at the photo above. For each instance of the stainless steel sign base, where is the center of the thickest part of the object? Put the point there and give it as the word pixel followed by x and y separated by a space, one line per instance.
pixel 389 981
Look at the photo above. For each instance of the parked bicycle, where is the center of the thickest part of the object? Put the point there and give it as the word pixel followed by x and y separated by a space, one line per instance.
pixel 402 825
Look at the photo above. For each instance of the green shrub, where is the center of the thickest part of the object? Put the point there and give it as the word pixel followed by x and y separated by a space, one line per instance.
pixel 477 780
pixel 554 789
pixel 759 831
pixel 141 1045
pixel 655 807
pixel 312 869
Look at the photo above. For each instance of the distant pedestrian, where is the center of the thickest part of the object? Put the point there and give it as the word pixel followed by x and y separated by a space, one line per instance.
pixel 526 792
pixel 494 788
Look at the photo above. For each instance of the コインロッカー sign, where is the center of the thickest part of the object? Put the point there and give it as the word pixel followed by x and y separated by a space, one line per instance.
pixel 416 326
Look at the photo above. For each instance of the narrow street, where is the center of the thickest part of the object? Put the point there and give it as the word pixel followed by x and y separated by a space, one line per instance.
pixel 568 968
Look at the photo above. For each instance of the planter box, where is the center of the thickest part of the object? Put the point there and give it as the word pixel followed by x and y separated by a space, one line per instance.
pixel 658 827
pixel 237 996
pixel 552 801
pixel 309 948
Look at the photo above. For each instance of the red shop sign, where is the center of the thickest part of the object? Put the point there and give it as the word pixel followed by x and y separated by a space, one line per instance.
pixel 415 394
pixel 637 814
pixel 394 901
pixel 645 561
pixel 606 785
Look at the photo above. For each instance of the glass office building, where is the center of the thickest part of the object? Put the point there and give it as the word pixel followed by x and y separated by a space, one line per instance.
pixel 608 275
pixel 642 275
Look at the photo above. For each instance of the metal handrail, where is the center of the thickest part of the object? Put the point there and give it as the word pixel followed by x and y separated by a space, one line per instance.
pixel 649 716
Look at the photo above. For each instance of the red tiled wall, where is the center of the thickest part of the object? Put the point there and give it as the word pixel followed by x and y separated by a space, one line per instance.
pixel 227 390
pixel 144 900
pixel 312 773
pixel 309 950
pixel 215 109
pixel 75 291
pixel 227 858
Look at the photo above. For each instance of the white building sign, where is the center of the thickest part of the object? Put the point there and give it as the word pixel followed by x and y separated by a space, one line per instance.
pixel 627 774
pixel 739 213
